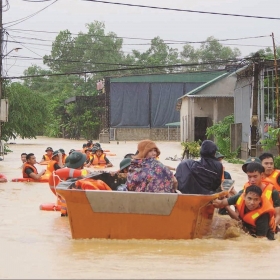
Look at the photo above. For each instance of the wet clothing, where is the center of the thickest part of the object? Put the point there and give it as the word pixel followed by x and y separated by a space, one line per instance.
pixel 203 176
pixel 28 169
pixel 259 222
pixel 274 196
pixel 149 175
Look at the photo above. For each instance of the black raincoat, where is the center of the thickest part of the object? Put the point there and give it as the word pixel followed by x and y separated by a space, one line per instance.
pixel 203 176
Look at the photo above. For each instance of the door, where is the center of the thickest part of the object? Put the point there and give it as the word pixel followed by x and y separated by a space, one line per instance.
pixel 200 126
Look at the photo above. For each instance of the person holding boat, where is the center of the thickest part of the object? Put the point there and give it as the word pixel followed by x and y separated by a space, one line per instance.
pixel 29 170
pixel 203 176
pixel 256 213
pixel 48 155
pixel 147 174
pixel 270 172
pixel 255 173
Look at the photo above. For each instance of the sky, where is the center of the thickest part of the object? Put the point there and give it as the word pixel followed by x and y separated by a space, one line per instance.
pixel 136 22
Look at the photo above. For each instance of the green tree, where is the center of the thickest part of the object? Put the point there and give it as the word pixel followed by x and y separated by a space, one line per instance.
pixel 27 112
pixel 221 132
pixel 209 51
pixel 159 53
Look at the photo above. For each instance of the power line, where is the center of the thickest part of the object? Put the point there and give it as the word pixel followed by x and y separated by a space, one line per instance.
pixel 221 62
pixel 15 22
pixel 137 38
pixel 181 10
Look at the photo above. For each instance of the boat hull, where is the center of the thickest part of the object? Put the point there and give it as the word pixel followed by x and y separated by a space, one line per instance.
pixel 131 215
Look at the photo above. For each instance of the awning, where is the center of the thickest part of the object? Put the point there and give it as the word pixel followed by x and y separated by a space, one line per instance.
pixel 173 124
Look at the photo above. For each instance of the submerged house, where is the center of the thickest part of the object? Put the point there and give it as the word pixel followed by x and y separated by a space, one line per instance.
pixel 205 105
pixel 144 106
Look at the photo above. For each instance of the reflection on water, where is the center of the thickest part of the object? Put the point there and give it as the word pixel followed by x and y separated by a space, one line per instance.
pixel 38 244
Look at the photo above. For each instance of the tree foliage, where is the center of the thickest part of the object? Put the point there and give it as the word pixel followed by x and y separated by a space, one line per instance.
pixel 221 132
pixel 38 105
pixel 208 52
pixel 27 113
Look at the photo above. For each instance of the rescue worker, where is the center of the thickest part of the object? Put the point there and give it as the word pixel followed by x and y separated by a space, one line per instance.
pixel 48 155
pixel 29 170
pixel 255 173
pixel 270 172
pixel 63 158
pixel 75 160
pixel 203 176
pixel 56 162
pixel 220 158
pixel 256 213
pixel 99 159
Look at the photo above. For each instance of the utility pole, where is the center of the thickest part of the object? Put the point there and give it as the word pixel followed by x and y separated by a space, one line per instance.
pixel 1 57
pixel 276 90
pixel 255 119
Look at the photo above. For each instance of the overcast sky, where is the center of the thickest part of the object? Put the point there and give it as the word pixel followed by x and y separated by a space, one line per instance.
pixel 139 22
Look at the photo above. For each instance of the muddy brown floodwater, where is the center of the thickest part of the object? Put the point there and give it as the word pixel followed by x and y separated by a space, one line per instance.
pixel 38 244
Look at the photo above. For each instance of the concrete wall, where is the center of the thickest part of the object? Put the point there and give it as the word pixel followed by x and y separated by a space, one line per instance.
pixel 214 108
pixel 155 134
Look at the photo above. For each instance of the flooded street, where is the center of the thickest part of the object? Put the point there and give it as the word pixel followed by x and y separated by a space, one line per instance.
pixel 38 244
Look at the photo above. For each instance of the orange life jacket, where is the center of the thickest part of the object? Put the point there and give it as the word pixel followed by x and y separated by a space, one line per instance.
pixel 266 192
pixel 63 158
pixel 251 216
pixel 91 184
pixel 50 166
pixel 47 157
pixel 27 165
pixel 273 178
pixel 63 174
pixel 98 160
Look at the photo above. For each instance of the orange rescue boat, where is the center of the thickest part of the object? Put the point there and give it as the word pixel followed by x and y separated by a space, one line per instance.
pixel 127 215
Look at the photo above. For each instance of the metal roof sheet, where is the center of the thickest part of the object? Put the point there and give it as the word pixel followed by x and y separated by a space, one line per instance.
pixel 185 77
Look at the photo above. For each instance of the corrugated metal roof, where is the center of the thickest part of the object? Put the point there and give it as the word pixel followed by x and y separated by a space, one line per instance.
pixel 194 92
pixel 186 77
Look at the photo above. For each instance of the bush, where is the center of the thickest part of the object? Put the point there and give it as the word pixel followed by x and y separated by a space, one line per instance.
pixel 277 162
pixel 191 149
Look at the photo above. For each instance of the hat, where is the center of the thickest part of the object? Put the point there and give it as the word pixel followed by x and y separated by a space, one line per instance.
pixel 249 160
pixel 125 163
pixel 49 149
pixel 71 151
pixel 98 149
pixel 75 160
pixel 144 147
pixel 62 151
pixel 219 155
pixel 55 153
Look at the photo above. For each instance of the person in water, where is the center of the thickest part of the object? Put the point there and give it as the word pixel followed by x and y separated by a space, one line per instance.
pixel 147 174
pixel 23 158
pixel 203 176
pixel 255 173
pixel 48 155
pixel 270 172
pixel 256 213
pixel 29 170
pixel 98 158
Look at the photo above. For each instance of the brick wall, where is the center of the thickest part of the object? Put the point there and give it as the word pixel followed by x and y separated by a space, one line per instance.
pixel 156 134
